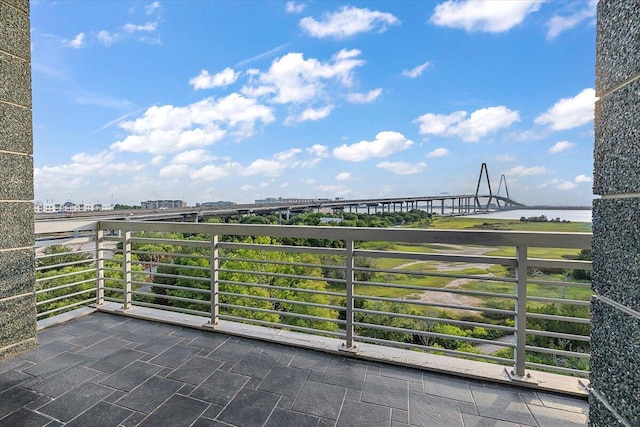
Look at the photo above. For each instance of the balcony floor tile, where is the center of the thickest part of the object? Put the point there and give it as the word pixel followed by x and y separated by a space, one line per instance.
pixel 110 370
pixel 362 414
pixel 132 376
pixel 24 417
pixel 249 408
pixel 100 415
pixel 178 411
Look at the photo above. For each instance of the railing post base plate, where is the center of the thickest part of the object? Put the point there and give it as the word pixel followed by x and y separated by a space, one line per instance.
pixel 526 378
pixel 209 325
pixel 348 349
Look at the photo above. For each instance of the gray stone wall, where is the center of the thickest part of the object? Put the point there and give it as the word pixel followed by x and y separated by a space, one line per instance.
pixel 615 308
pixel 17 286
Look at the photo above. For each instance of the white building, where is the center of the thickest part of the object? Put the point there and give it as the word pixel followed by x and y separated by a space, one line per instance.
pixel 40 207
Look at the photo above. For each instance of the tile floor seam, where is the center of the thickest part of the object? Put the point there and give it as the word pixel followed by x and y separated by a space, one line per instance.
pixel 272 411
pixel 234 396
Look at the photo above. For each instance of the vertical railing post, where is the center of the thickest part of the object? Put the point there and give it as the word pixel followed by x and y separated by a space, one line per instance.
pixel 126 269
pixel 99 265
pixel 349 293
pixel 215 271
pixel 521 311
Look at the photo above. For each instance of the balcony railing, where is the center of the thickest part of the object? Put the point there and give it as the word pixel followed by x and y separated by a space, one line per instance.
pixel 507 298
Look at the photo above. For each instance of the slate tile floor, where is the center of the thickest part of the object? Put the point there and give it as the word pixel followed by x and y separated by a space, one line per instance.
pixel 107 370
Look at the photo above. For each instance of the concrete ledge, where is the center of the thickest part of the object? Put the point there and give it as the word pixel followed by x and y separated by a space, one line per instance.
pixel 64 317
pixel 464 368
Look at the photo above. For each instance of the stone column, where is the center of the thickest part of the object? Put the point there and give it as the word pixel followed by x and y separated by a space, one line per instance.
pixel 17 287
pixel 615 307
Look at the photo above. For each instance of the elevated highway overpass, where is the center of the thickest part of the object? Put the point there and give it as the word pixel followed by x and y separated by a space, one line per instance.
pixel 442 204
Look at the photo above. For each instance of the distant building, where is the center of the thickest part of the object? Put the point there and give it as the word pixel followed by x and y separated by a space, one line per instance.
pixel 40 207
pixel 103 207
pixel 163 204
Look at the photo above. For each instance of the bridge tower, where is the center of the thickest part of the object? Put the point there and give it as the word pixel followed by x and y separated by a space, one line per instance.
pixel 506 189
pixel 477 204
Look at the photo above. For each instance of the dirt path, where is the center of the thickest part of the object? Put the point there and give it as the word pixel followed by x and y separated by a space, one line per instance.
pixel 492 348
pixel 451 298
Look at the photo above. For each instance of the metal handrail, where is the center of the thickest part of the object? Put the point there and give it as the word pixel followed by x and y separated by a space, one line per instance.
pixel 345 290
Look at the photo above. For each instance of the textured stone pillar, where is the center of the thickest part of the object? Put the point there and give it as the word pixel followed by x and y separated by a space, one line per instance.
pixel 615 309
pixel 17 288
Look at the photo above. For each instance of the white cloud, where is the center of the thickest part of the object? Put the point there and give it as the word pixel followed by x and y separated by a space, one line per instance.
pixel 561 146
pixel 416 71
pixel 385 144
pixel 138 32
pixel 559 24
pixel 204 80
pixel 157 160
pixel 77 42
pixel 343 176
pixel 492 16
pixel 566 185
pixel 505 158
pixel 438 152
pixel 215 172
pixel 166 129
pixel 247 187
pixel 348 21
pixel 364 98
pixel 294 79
pixel 439 124
pixel 569 113
pixel 570 185
pixel 307 181
pixel 152 7
pixel 402 168
pixel 106 37
pixel 257 91
pixel 83 166
pixel 582 178
pixel 293 7
pixel 309 163
pixel 520 171
pixel 192 157
pixel 173 171
pixel 148 27
pixel 479 124
pixel 274 166
pixel 233 109
pixel 287 155
pixel 319 150
pixel 310 114
pixel 265 167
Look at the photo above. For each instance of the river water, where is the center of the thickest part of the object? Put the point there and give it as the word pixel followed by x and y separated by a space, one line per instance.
pixel 577 215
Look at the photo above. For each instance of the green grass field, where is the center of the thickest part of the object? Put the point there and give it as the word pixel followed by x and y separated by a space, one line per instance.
pixel 467 223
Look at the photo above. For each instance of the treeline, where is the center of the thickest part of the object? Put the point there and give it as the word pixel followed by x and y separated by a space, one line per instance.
pixel 346 219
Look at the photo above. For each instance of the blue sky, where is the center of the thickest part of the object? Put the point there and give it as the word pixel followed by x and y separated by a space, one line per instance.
pixel 238 100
